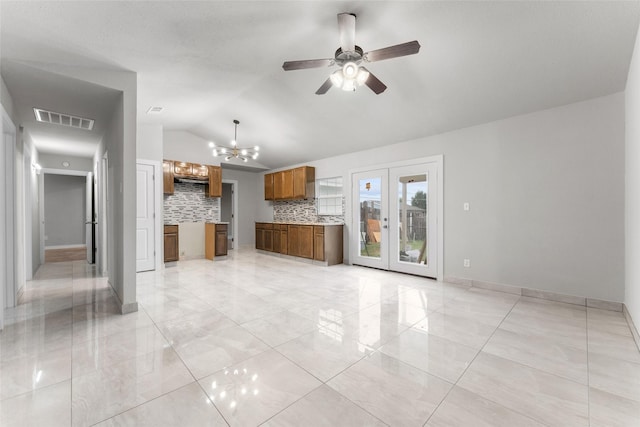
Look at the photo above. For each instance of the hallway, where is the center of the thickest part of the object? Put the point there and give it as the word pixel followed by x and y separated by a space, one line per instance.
pixel 257 339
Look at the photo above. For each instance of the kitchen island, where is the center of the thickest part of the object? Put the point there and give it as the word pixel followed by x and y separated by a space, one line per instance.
pixel 319 242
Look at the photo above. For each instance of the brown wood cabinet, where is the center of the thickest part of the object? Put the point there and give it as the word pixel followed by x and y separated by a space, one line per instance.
pixel 264 236
pixel 201 171
pixel 215 240
pixel 268 186
pixel 181 168
pixel 304 179
pixel 317 242
pixel 167 177
pixel 171 243
pixel 214 188
pixel 300 241
pixel 290 184
pixel 172 169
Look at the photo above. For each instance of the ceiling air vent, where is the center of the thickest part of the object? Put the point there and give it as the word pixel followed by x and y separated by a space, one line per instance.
pixel 54 118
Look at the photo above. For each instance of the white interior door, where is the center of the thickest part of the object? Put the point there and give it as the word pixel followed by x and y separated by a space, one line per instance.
pixel 145 218
pixel 88 218
pixel 370 219
pixel 413 219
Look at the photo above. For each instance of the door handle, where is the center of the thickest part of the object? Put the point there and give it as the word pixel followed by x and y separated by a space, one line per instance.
pixel 385 226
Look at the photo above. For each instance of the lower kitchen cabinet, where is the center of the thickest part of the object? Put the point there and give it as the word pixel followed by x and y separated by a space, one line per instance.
pixel 301 241
pixel 321 243
pixel 215 240
pixel 171 243
pixel 264 236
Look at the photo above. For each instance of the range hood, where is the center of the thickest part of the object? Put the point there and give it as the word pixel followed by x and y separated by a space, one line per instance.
pixel 192 180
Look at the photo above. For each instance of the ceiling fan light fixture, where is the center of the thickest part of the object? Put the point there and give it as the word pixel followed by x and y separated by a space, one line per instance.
pixel 362 76
pixel 349 85
pixel 350 70
pixel 337 78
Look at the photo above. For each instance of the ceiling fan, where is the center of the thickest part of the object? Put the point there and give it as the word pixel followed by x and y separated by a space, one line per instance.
pixel 349 58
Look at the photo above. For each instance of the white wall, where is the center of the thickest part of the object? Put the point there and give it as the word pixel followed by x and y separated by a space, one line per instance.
pixel 54 161
pixel 546 192
pixel 64 209
pixel 187 147
pixel 632 187
pixel 149 142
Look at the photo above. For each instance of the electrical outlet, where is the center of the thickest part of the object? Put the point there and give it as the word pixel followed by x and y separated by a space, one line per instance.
pixel 465 206
pixel 467 263
pixel 181 253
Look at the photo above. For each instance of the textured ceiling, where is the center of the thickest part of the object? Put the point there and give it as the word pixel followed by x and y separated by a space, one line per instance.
pixel 208 63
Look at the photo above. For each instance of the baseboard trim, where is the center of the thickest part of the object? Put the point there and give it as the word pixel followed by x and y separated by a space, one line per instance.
pixel 632 326
pixel 124 308
pixel 536 293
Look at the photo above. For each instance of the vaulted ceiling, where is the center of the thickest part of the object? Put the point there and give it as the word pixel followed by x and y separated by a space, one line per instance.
pixel 208 63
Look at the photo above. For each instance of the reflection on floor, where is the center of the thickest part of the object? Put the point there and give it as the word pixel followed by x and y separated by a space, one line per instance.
pixel 258 339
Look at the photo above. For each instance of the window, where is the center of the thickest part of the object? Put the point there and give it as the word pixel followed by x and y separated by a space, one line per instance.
pixel 329 196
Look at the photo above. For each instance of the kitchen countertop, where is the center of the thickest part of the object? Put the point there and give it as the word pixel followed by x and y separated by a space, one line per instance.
pixel 300 223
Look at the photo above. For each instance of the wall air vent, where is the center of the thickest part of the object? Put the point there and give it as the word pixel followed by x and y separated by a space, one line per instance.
pixel 54 118
pixel 155 110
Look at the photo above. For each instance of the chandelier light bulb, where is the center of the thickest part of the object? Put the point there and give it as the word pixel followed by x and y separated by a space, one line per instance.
pixel 215 153
pixel 256 148
pixel 211 144
pixel 223 150
pixel 243 152
pixel 233 142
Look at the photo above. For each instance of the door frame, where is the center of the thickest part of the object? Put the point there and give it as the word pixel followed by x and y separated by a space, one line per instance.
pixel 439 161
pixel 7 216
pixel 41 212
pixel 234 210
pixel 158 231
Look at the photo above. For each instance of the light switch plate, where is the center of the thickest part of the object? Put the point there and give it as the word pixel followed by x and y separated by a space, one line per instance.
pixel 465 206
pixel 467 263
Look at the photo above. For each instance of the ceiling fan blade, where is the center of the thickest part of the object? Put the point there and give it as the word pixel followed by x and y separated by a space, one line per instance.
pixel 325 87
pixel 307 63
pixel 375 84
pixel 404 49
pixel 347 27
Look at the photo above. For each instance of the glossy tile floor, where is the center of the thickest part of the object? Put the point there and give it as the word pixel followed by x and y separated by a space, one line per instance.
pixel 256 339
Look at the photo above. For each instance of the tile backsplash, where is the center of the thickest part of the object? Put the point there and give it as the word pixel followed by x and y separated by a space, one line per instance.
pixel 302 211
pixel 189 204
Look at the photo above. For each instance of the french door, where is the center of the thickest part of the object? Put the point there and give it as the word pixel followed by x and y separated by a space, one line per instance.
pixel 395 214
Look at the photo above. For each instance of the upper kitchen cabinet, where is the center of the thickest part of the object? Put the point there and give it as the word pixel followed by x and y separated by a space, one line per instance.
pixel 167 176
pixel 182 169
pixel 200 170
pixel 304 182
pixel 268 186
pixel 211 175
pixel 290 184
pixel 214 188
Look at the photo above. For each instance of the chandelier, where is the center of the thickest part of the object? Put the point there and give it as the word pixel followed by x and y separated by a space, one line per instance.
pixel 235 152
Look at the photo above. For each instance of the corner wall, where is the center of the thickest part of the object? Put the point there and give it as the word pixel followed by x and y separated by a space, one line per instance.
pixel 632 187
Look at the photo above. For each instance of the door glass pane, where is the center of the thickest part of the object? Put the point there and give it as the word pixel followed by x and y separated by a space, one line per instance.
pixel 412 218
pixel 370 226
